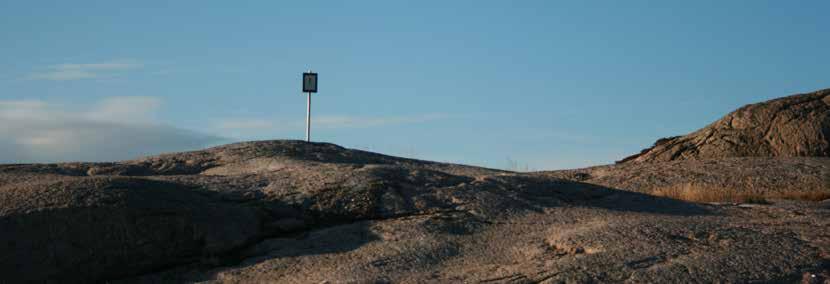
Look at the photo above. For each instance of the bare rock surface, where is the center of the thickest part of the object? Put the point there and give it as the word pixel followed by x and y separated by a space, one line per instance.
pixel 793 126
pixel 757 175
pixel 296 212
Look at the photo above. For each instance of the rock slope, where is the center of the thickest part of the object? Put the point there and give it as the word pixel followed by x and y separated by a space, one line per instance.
pixel 757 175
pixel 794 126
pixel 296 212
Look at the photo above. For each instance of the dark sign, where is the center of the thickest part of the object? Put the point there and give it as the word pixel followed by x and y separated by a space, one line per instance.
pixel 309 82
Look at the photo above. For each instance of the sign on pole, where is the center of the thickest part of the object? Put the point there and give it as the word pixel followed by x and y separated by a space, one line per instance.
pixel 309 82
pixel 309 86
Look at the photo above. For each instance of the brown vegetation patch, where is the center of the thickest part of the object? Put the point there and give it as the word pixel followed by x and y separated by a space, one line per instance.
pixel 716 193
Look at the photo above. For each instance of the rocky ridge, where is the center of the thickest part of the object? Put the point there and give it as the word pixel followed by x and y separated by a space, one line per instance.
pixel 297 212
pixel 793 126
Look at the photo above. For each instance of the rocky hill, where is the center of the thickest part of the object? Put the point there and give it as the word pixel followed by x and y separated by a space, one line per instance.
pixel 770 150
pixel 794 126
pixel 296 212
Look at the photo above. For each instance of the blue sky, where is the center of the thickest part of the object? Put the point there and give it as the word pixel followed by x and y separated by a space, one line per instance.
pixel 548 84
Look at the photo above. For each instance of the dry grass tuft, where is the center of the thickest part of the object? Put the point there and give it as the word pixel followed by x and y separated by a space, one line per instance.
pixel 712 193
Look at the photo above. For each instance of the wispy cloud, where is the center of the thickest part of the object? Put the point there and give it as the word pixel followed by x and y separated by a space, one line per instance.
pixel 125 109
pixel 245 124
pixel 330 122
pixel 115 128
pixel 75 71
pixel 246 128
pixel 365 122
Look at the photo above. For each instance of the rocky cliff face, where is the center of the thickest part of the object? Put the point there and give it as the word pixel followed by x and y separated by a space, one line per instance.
pixel 793 126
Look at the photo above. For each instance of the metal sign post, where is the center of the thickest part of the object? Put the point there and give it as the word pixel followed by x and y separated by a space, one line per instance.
pixel 309 86
pixel 308 118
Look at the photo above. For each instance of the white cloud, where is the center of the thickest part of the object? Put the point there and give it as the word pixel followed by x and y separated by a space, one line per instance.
pixel 365 122
pixel 125 109
pixel 74 71
pixel 260 128
pixel 245 124
pixel 38 131
pixel 329 122
pixel 122 65
pixel 20 109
